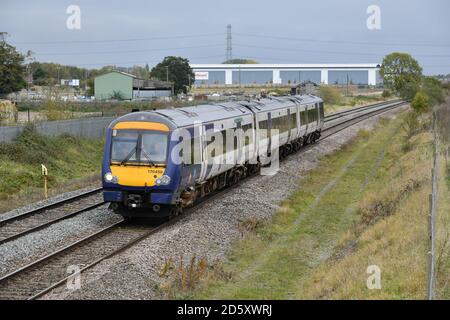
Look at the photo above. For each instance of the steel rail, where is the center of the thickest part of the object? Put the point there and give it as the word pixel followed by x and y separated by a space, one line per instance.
pixel 50 222
pixel 49 206
pixel 187 212
pixel 340 114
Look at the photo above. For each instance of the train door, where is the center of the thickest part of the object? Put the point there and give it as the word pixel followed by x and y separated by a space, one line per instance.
pixel 289 124
pixel 269 132
pixel 306 119
pixel 293 124
pixel 202 145
pixel 238 143
pixel 321 114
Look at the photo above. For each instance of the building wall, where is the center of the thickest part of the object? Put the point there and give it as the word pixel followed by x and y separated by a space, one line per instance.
pixel 252 77
pixel 299 76
pixel 214 77
pixel 105 85
pixel 354 77
pixel 359 73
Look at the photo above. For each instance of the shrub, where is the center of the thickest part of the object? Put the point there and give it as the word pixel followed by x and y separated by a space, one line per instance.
pixel 409 90
pixel 433 88
pixel 330 95
pixel 117 95
pixel 411 124
pixel 55 111
pixel 421 102
pixel 386 93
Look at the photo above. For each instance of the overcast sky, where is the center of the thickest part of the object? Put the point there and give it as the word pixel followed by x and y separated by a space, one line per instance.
pixel 283 31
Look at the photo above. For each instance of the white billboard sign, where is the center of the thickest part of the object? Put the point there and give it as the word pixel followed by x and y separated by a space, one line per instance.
pixel 74 82
pixel 203 75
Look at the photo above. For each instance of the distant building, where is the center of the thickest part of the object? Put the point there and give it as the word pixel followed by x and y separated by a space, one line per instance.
pixel 286 74
pixel 129 87
pixel 307 87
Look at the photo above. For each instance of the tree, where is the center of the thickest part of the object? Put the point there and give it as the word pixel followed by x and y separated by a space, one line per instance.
pixel 40 77
pixel 401 73
pixel 420 102
pixel 11 69
pixel 176 70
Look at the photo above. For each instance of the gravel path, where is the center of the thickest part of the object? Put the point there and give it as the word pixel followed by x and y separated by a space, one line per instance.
pixel 208 232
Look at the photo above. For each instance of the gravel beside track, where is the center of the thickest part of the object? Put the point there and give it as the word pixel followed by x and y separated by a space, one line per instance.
pixel 35 220
pixel 208 232
pixel 27 248
pixel 43 203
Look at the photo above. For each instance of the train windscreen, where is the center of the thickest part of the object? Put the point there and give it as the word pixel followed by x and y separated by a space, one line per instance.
pixel 139 147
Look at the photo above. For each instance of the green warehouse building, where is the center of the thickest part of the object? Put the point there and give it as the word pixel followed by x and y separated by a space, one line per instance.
pixel 129 87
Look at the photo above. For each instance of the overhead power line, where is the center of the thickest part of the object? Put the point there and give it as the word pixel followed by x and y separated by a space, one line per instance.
pixel 282 60
pixel 125 51
pixel 137 61
pixel 118 40
pixel 340 41
pixel 333 52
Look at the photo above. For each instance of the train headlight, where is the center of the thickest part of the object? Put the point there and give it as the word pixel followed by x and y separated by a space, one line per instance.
pixel 164 180
pixel 110 178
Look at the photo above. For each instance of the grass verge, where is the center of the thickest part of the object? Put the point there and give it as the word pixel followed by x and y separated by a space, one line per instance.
pixel 72 163
pixel 364 205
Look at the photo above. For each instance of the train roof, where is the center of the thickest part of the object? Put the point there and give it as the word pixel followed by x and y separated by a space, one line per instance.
pixel 187 116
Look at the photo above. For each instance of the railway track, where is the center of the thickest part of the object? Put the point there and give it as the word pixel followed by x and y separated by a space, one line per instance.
pixel 345 113
pixel 44 274
pixel 370 112
pixel 33 220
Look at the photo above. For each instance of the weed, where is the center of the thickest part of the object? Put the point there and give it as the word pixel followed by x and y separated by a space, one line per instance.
pixel 167 265
pixel 248 225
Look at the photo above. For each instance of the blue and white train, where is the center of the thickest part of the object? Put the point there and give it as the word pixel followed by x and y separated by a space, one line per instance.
pixel 158 162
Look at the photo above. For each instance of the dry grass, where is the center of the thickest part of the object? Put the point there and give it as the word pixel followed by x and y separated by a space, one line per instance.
pixel 182 277
pixel 248 225
pixel 375 214
pixel 31 195
pixel 391 233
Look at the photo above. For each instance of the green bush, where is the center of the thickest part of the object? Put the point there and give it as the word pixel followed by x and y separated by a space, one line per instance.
pixel 386 93
pixel 411 125
pixel 330 95
pixel 421 102
pixel 409 90
pixel 433 89
pixel 117 95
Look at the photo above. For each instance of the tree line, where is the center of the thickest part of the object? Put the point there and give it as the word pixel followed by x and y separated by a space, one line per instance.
pixel 15 69
pixel 403 75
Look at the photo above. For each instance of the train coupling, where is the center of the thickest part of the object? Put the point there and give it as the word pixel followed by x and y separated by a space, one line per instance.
pixel 134 201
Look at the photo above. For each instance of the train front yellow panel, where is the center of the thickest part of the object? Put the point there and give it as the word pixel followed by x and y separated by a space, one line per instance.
pixel 137 176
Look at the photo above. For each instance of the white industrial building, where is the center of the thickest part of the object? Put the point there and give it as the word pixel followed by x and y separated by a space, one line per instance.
pixel 247 74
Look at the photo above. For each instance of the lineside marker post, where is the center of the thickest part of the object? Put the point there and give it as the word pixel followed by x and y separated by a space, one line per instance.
pixel 45 174
pixel 430 250
pixel 432 217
